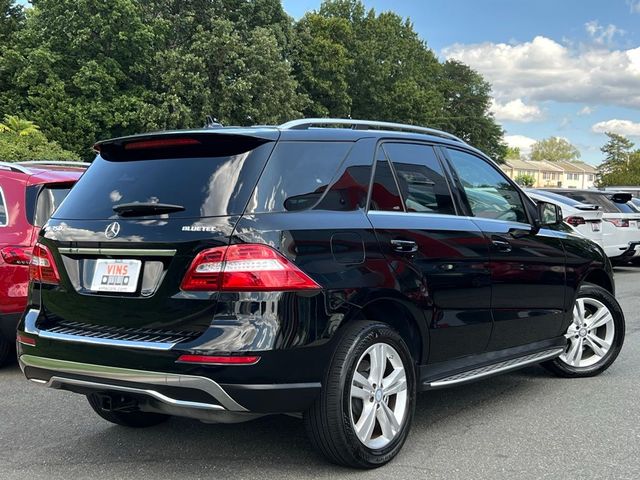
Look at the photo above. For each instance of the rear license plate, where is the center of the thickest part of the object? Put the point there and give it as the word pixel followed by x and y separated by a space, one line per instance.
pixel 595 226
pixel 116 276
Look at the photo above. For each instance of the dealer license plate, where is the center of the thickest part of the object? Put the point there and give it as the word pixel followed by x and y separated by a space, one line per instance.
pixel 116 276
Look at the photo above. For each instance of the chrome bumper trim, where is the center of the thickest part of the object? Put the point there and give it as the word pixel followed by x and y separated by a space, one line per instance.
pixel 131 252
pixel 145 377
pixel 30 327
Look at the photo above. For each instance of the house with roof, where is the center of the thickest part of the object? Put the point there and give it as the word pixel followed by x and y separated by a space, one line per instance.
pixel 548 174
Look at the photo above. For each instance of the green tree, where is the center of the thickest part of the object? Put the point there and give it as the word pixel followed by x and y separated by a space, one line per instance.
pixel 11 20
pixel 513 153
pixel 18 126
pixel 553 149
pixel 525 180
pixel 627 173
pixel 467 98
pixel 618 151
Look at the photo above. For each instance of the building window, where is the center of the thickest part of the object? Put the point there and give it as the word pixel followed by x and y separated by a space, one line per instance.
pixel 591 177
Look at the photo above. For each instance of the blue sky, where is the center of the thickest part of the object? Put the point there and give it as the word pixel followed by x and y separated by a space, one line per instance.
pixel 569 68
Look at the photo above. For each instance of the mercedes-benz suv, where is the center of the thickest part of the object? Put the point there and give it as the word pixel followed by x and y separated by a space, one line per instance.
pixel 329 268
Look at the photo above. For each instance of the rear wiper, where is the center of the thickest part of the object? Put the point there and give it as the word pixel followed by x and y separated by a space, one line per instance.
pixel 140 209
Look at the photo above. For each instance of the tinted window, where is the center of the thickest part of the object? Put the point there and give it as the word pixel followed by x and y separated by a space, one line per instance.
pixel 48 201
pixel 593 198
pixel 558 198
pixel 204 186
pixel 384 191
pixel 3 210
pixel 420 178
pixel 298 174
pixel 488 192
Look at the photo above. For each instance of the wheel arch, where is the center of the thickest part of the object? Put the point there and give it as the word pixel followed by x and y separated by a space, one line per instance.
pixel 398 316
pixel 600 278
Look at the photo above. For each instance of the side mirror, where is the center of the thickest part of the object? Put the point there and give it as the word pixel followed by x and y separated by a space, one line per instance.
pixel 549 214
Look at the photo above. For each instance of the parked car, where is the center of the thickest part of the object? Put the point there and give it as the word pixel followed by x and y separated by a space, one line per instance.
pixel 582 218
pixel 622 220
pixel 29 193
pixel 326 267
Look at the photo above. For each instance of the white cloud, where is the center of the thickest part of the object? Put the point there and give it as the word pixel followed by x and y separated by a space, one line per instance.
pixel 516 111
pixel 542 70
pixel 634 6
pixel 586 110
pixel 520 141
pixel 602 35
pixel 621 127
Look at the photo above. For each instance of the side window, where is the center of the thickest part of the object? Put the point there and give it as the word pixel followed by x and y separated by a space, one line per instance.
pixel 48 201
pixel 297 175
pixel 420 178
pixel 384 190
pixel 4 220
pixel 488 192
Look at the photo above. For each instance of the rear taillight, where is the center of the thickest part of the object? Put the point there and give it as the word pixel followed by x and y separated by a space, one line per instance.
pixel 618 222
pixel 245 268
pixel 575 221
pixel 16 255
pixel 42 267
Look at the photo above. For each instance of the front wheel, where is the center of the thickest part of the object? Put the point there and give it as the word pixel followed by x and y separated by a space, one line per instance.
pixel 363 415
pixel 594 338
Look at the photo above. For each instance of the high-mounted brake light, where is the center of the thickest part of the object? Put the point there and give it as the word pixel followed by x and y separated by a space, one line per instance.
pixel 575 221
pixel 42 267
pixel 15 256
pixel 245 268
pixel 161 143
pixel 618 222
pixel 219 359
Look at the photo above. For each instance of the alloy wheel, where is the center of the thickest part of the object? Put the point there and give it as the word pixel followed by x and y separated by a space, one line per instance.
pixel 590 335
pixel 378 396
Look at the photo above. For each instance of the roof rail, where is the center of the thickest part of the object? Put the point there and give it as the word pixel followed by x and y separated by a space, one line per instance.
pixel 14 167
pixel 305 123
pixel 56 163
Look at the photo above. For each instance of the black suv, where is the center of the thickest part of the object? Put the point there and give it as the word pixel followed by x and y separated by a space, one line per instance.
pixel 329 268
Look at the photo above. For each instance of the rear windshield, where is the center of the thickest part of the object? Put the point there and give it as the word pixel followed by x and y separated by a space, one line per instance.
pixel 606 205
pixel 558 198
pixel 49 199
pixel 203 186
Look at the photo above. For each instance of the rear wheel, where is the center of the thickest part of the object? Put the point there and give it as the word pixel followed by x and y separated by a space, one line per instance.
pixel 594 338
pixel 134 419
pixel 363 415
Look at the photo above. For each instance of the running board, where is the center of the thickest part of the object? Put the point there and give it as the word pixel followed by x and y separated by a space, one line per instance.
pixel 493 369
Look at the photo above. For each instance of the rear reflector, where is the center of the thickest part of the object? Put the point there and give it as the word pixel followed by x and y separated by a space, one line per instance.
pixel 161 143
pixel 245 268
pixel 219 360
pixel 42 267
pixel 15 256
pixel 24 340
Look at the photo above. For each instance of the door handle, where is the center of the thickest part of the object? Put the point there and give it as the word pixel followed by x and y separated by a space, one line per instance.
pixel 501 244
pixel 404 246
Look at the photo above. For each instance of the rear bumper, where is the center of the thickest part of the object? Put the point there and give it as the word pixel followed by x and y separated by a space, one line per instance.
pixel 8 326
pixel 631 250
pixel 172 393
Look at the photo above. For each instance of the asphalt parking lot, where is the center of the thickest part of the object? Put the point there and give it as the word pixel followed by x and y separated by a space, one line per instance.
pixel 524 425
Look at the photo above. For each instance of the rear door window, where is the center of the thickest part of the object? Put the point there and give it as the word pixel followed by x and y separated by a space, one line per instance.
pixel 298 176
pixel 420 178
pixel 4 217
pixel 205 186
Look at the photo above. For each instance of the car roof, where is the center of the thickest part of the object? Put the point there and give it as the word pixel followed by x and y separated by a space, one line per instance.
pixel 310 130
pixel 40 172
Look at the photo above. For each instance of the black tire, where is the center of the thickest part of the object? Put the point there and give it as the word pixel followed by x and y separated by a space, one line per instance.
pixel 126 419
pixel 6 350
pixel 328 421
pixel 563 369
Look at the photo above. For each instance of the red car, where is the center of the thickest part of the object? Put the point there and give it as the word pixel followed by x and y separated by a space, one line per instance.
pixel 29 193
